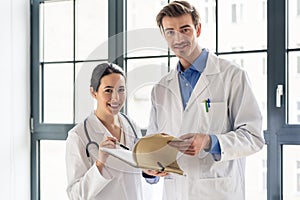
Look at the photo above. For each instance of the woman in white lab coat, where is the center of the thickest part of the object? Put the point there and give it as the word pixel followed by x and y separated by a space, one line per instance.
pixel 220 105
pixel 91 173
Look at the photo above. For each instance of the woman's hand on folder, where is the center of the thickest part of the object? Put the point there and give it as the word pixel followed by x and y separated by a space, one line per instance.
pixel 155 172
pixel 192 143
pixel 109 142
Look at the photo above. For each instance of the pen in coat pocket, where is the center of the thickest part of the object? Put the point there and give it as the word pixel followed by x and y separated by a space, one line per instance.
pixel 207 104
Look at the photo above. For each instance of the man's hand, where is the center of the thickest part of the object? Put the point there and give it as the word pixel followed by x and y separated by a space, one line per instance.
pixel 155 173
pixel 192 143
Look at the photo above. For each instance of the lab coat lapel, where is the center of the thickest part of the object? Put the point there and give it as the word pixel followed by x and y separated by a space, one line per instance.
pixel 173 85
pixel 212 67
pixel 198 90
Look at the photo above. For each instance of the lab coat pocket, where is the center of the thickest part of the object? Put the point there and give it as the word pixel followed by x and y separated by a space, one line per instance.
pixel 213 117
pixel 169 189
pixel 212 188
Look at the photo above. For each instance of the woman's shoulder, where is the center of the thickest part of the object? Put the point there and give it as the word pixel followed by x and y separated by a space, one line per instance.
pixel 130 124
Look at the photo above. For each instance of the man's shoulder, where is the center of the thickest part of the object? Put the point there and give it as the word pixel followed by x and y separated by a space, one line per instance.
pixel 223 63
pixel 169 76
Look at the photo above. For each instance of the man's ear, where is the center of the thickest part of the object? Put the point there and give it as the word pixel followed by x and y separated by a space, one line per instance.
pixel 198 29
pixel 93 93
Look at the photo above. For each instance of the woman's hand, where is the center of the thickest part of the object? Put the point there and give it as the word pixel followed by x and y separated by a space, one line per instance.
pixel 109 142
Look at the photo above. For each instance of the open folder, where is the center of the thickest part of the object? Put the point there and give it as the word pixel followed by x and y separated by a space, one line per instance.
pixel 150 152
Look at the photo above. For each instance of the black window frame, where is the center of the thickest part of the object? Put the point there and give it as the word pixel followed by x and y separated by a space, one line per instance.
pixel 278 132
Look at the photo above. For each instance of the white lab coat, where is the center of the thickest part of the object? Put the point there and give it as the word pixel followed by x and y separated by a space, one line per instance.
pixel 234 117
pixel 119 181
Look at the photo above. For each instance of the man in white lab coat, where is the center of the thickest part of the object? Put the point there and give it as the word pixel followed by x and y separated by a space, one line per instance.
pixel 208 102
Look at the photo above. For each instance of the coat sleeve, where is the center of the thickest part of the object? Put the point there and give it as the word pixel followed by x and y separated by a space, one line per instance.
pixel 84 179
pixel 152 125
pixel 245 137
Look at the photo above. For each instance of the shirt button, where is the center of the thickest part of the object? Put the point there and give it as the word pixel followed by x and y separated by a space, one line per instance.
pixel 186 84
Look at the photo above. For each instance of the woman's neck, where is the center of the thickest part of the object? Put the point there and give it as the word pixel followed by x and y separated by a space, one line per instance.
pixel 111 122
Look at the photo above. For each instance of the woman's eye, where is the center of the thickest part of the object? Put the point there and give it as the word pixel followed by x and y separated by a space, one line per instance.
pixel 108 91
pixel 122 90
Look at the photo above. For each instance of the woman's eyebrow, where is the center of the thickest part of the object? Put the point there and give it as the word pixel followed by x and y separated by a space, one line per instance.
pixel 108 87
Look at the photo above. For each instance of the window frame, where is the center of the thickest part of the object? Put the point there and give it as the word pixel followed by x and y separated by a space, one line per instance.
pixel 278 132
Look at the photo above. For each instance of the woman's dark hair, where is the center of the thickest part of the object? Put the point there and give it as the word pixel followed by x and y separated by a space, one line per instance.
pixel 177 9
pixel 102 70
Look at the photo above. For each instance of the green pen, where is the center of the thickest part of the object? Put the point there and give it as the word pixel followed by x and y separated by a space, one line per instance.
pixel 206 105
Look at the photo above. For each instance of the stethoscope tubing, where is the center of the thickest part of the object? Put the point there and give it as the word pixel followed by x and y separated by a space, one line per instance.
pixel 95 143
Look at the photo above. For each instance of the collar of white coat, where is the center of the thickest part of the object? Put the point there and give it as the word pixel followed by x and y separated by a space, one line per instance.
pixel 212 67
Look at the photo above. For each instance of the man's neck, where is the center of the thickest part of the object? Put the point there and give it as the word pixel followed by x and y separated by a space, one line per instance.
pixel 186 63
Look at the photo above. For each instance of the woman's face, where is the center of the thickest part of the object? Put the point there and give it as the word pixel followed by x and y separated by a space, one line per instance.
pixel 111 94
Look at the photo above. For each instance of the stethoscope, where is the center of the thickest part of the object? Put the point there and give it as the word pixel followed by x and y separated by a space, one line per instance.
pixel 95 143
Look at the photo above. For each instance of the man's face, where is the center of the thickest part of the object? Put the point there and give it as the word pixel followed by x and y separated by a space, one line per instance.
pixel 181 35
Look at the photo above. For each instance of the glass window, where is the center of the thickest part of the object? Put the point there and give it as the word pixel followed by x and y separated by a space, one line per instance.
pixel 298 65
pixel 264 9
pixel 56 31
pixel 233 13
pixel 236 26
pixel 139 86
pixel 293 88
pixel 291 172
pixel 206 15
pixel 136 17
pixel 207 38
pixel 293 24
pixel 57 93
pixel 256 176
pixel 298 7
pixel 138 45
pixel 91 29
pixel 53 170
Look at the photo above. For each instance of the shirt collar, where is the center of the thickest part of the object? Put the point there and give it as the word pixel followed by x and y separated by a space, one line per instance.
pixel 199 64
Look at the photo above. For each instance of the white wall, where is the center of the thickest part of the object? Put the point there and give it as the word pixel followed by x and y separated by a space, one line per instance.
pixel 14 100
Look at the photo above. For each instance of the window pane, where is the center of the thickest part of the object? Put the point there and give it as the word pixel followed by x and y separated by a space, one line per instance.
pixel 255 65
pixel 256 176
pixel 173 63
pixel 56 31
pixel 142 74
pixel 53 170
pixel 91 29
pixel 58 93
pixel 146 42
pixel 293 88
pixel 242 26
pixel 142 13
pixel 207 11
pixel 84 103
pixel 291 172
pixel 293 24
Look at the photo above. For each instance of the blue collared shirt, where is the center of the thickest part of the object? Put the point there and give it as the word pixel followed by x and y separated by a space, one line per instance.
pixel 187 82
pixel 189 77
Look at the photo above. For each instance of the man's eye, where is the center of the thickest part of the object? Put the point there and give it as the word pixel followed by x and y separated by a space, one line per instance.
pixel 185 30
pixel 169 33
